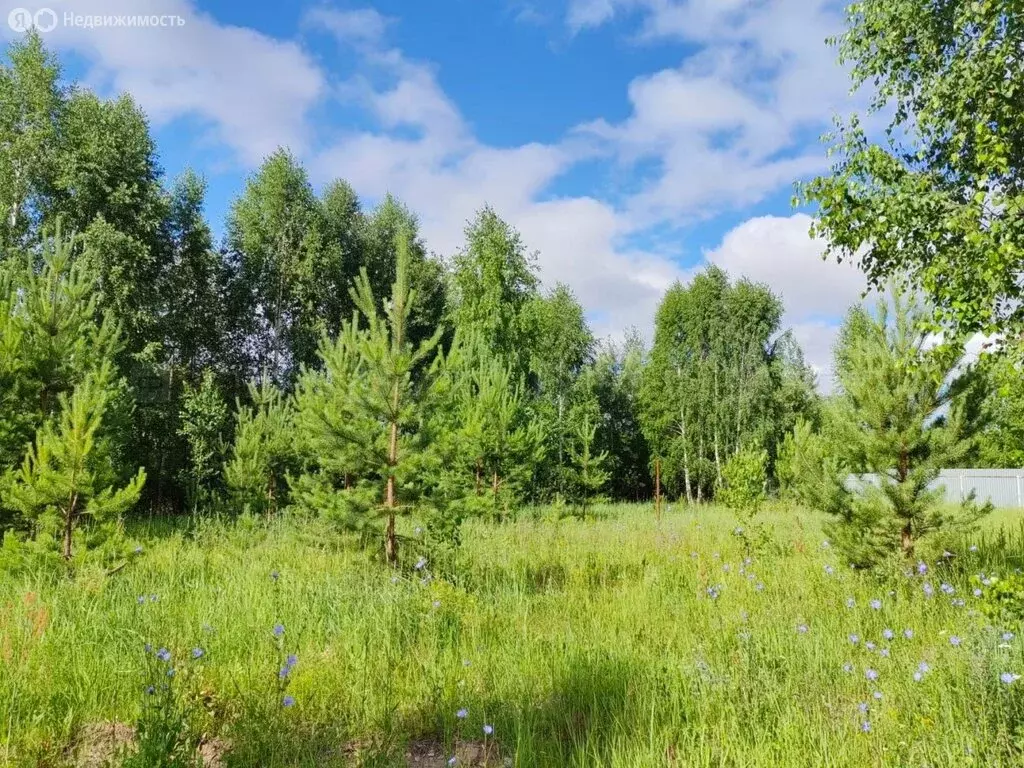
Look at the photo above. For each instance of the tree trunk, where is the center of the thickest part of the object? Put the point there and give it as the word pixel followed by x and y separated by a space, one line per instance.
pixel 907 534
pixel 657 488
pixel 907 540
pixel 718 459
pixel 390 542
pixel 494 486
pixel 703 456
pixel 686 458
pixel 69 525
pixel 718 455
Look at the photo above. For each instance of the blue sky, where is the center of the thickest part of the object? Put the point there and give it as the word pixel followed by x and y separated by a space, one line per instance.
pixel 630 141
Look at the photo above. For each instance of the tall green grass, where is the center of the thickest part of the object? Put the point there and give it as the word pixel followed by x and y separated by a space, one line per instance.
pixel 597 643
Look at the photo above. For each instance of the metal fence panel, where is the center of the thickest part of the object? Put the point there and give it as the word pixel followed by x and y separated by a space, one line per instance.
pixel 1003 487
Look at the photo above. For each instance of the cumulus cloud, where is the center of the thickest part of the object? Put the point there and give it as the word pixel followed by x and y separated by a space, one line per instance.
pixel 779 252
pixel 252 92
pixel 737 119
pixel 725 128
pixel 446 175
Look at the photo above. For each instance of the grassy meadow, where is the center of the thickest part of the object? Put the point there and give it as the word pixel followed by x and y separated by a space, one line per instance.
pixel 616 642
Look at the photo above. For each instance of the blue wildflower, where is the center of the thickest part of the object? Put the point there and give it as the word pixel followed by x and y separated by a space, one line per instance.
pixel 947 588
pixel 922 568
pixel 462 714
pixel 278 630
pixel 288 701
pixel 865 727
pixel 876 604
pixel 977 592
pixel 197 653
pixel 829 570
pixel 759 587
pixel 1007 637
pixel 928 589
pixel 848 667
pixel 854 639
pixel 147 648
pixel 141 600
pixel 802 629
pixel 850 602
pixel 488 730
pixel 869 645
pixel 421 564
pixel 871 674
pixel 877 695
pixel 955 641
pixel 908 633
pixel 1009 678
pixel 888 634
pixel 163 654
pixel 863 707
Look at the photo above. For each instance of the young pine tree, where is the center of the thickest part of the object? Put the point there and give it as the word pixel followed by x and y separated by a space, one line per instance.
pixel 67 475
pixel 50 338
pixel 588 475
pixel 204 421
pixel 494 443
pixel 263 452
pixel 905 409
pixel 370 399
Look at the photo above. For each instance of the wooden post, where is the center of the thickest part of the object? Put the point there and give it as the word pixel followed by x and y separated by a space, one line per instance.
pixel 657 489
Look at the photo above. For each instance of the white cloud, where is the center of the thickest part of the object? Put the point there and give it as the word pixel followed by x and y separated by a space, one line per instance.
pixel 725 128
pixel 817 340
pixel 779 252
pixel 361 26
pixel 253 92
pixel 445 175
pixel 737 119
